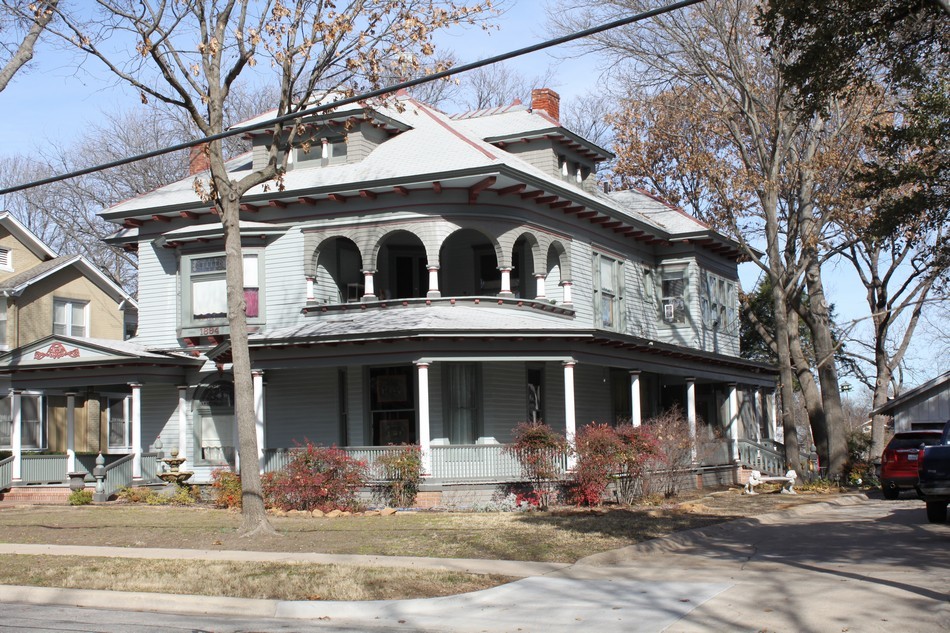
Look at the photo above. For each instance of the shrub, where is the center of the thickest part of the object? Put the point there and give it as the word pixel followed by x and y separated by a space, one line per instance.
pixel 539 449
pixel 317 478
pixel 639 447
pixel 859 468
pixel 184 496
pixel 226 488
pixel 403 476
pixel 598 449
pixel 80 497
pixel 674 446
pixel 136 494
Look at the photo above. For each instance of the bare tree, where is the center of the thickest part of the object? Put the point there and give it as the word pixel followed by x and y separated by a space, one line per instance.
pixel 191 53
pixel 21 24
pixel 750 167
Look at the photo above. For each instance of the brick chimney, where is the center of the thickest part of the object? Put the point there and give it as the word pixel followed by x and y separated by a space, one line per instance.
pixel 547 100
pixel 198 160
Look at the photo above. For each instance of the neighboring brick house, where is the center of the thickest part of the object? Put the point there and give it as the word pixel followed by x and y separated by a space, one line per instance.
pixel 435 279
pixel 43 298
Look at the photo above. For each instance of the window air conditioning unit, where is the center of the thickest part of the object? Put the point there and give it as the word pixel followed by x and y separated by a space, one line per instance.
pixel 668 312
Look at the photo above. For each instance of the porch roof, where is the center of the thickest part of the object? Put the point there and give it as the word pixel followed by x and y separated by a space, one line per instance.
pixel 58 352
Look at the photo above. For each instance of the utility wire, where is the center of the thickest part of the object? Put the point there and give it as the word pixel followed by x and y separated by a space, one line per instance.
pixel 362 97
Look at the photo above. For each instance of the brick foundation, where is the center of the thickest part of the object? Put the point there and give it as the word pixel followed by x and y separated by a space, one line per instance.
pixel 36 496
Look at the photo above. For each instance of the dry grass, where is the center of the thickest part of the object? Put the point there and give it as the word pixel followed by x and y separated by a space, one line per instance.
pixel 559 536
pixel 281 581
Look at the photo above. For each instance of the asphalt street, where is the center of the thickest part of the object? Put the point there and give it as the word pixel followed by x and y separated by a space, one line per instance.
pixel 856 565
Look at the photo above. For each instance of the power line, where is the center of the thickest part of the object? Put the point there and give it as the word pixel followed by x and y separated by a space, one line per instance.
pixel 362 97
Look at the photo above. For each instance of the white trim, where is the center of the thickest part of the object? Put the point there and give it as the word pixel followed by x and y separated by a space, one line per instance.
pixel 25 236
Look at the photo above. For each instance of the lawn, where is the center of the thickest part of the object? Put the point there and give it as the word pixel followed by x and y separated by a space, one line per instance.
pixel 564 535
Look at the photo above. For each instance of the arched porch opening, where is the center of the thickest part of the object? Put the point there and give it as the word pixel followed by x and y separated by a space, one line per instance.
pixel 401 266
pixel 339 276
pixel 468 265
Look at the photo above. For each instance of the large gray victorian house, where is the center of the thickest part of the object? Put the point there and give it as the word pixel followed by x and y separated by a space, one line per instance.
pixel 430 279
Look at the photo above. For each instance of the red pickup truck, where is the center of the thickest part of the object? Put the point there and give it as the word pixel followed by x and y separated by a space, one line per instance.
pixel 933 477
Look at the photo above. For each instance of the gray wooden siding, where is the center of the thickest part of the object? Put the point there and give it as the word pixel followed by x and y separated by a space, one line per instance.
pixel 285 286
pixel 302 405
pixel 357 432
pixel 361 141
pixel 553 395
pixel 591 394
pixel 505 398
pixel 582 276
pixel 160 417
pixel 158 295
pixel 931 409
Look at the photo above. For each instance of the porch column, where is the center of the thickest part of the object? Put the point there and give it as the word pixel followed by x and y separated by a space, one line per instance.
pixel 70 432
pixel 425 442
pixel 505 282
pixel 570 419
pixel 733 426
pixel 566 287
pixel 369 291
pixel 136 430
pixel 257 377
pixel 691 414
pixel 434 292
pixel 773 415
pixel 183 422
pixel 539 279
pixel 635 397
pixel 761 414
pixel 310 296
pixel 16 434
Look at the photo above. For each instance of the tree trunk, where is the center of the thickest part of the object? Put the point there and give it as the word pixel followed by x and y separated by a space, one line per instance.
pixel 811 396
pixel 253 513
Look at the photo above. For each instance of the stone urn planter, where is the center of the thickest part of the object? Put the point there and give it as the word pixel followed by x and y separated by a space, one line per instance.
pixel 77 481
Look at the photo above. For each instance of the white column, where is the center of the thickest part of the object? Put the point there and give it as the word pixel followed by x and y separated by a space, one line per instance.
pixel 773 417
pixel 425 441
pixel 136 430
pixel 539 279
pixel 635 419
pixel 70 432
pixel 183 442
pixel 566 287
pixel 761 414
pixel 310 296
pixel 570 415
pixel 16 434
pixel 434 292
pixel 733 426
pixel 505 282
pixel 257 377
pixel 369 291
pixel 691 414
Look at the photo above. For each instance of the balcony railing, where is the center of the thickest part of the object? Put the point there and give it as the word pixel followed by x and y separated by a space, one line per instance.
pixel 761 457
pixel 6 472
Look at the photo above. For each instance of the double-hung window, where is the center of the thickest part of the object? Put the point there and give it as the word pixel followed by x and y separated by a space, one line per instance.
pixel 718 302
pixel 205 289
pixel 608 291
pixel 70 317
pixel 673 297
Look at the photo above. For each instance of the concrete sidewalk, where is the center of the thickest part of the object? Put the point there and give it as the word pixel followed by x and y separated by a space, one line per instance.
pixel 853 564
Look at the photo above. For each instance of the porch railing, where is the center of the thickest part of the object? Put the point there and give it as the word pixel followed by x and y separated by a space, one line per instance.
pixel 761 457
pixel 118 476
pixel 151 466
pixel 277 458
pixel 43 469
pixel 6 472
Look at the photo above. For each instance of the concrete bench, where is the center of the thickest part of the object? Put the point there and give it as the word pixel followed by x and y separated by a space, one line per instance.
pixel 756 478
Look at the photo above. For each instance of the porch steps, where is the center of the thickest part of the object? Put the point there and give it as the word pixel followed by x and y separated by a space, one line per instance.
pixel 35 495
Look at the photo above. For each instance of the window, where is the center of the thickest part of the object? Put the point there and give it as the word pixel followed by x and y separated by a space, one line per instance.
pixel 460 394
pixel 215 423
pixel 118 423
pixel 6 260
pixel 392 405
pixel 535 383
pixel 204 295
pixel 717 302
pixel 69 317
pixel 608 291
pixel 32 431
pixel 331 151
pixel 673 297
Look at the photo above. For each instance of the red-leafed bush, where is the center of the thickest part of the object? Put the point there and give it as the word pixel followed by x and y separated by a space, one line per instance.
pixel 598 451
pixel 540 450
pixel 317 478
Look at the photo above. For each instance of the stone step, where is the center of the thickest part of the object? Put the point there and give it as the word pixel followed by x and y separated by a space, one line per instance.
pixel 35 495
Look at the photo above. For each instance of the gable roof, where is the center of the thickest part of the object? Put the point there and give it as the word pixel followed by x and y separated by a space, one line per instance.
pixel 25 236
pixel 58 350
pixel 15 285
pixel 933 384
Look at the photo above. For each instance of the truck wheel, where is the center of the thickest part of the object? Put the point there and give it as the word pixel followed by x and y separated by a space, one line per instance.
pixel 937 511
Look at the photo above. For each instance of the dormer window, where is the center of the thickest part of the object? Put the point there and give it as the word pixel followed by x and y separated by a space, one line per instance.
pixel 572 171
pixel 323 152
